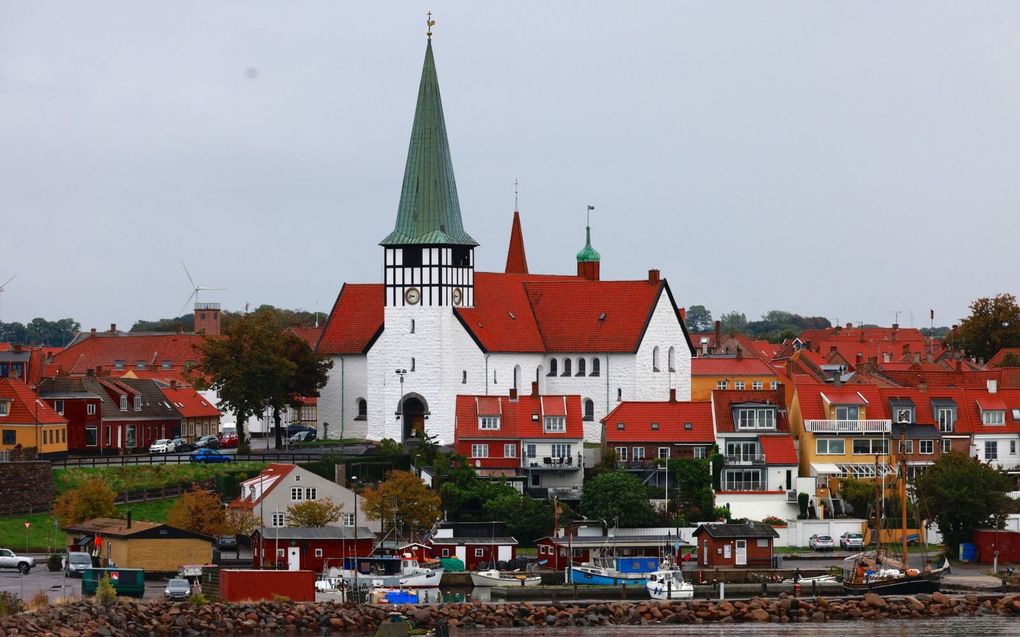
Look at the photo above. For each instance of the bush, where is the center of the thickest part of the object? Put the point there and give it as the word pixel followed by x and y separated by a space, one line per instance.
pixel 10 604
pixel 55 562
pixel 281 599
pixel 105 592
pixel 39 600
pixel 197 599
pixel 774 521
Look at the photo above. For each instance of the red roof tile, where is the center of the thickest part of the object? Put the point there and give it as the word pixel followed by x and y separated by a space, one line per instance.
pixel 722 366
pixel 996 361
pixel 309 335
pixel 356 319
pixel 518 417
pixel 154 350
pixel 189 403
pixel 778 450
pixel 672 419
pixel 26 408
pixel 991 403
pixel 725 400
pixel 844 396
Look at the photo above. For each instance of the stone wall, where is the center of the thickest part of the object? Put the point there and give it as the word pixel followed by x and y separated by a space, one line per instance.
pixel 25 487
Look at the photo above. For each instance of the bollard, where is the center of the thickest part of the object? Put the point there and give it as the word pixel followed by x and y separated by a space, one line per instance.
pixel 623 591
pixel 669 588
pixel 796 590
pixel 722 590
pixel 814 588
pixel 764 589
pixel 575 591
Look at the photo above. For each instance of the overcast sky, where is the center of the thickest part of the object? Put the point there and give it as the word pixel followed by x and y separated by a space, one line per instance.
pixel 838 159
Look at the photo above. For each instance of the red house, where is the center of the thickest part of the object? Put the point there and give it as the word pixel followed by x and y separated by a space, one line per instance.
pixel 309 549
pixel 474 543
pixel 641 432
pixel 735 545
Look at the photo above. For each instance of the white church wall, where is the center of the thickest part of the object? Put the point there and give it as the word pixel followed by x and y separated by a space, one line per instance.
pixel 351 371
pixel 663 332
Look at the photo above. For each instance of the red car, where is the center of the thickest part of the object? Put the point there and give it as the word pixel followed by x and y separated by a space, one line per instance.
pixel 228 441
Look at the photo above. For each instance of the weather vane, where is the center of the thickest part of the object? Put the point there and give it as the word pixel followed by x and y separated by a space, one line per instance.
pixel 429 23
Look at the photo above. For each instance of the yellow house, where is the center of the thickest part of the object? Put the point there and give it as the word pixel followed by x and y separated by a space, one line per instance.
pixel 709 373
pixel 157 548
pixel 26 421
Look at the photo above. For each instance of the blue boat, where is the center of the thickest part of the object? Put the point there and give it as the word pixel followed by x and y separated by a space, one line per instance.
pixel 614 571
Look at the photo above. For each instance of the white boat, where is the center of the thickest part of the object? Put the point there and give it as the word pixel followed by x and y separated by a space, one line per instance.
pixel 668 583
pixel 393 572
pixel 494 577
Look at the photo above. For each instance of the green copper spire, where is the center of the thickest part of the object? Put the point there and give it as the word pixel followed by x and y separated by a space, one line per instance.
pixel 588 254
pixel 429 212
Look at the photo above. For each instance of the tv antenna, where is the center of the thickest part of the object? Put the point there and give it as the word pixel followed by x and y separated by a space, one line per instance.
pixel 3 289
pixel 896 315
pixel 197 288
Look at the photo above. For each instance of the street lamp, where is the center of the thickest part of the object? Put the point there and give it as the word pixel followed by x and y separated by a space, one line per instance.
pixel 354 485
pixel 401 373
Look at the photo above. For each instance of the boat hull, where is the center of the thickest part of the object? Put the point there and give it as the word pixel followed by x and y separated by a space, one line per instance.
pixel 899 586
pixel 428 579
pixel 482 580
pixel 599 577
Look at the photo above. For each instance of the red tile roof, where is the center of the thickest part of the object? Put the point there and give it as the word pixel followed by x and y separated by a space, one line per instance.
pixel 996 361
pixel 309 335
pixel 964 379
pixel 723 366
pixel 271 477
pixel 518 419
pixel 725 400
pixel 672 419
pixel 26 408
pixel 778 450
pixel 104 350
pixel 356 320
pixel 844 396
pixel 189 403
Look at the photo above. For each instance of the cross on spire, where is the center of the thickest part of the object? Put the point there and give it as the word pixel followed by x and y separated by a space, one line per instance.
pixel 515 193
pixel 429 23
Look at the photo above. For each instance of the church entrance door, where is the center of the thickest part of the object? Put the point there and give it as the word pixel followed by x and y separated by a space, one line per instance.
pixel 414 418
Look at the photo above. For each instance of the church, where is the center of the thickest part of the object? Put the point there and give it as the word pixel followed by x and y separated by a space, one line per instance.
pixel 403 349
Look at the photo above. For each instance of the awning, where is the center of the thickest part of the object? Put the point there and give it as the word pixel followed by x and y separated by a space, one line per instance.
pixel 824 468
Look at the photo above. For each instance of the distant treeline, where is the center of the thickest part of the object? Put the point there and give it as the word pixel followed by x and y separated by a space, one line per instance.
pixel 286 318
pixel 39 331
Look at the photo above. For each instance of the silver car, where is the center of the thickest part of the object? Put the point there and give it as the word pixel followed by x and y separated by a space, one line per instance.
pixel 76 563
pixel 178 588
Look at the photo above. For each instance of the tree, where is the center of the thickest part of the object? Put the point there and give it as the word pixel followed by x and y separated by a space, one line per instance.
pixel 93 499
pixel 1010 360
pixel 402 501
pixel 527 519
pixel 693 494
pixel 618 497
pixel 733 322
pixel 239 522
pixel 199 511
pixel 462 493
pixel 992 325
pixel 307 374
pixel 962 494
pixel 699 319
pixel 859 494
pixel 314 513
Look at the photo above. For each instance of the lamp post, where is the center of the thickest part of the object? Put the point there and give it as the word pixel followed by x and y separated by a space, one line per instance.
pixel 357 589
pixel 400 409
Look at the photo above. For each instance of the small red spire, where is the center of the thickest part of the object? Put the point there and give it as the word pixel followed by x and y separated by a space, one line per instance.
pixel 516 259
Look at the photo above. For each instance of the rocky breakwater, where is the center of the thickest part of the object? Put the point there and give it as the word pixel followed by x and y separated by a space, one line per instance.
pixel 130 618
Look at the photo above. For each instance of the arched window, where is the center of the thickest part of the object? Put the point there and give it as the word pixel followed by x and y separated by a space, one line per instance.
pixel 412 326
pixel 619 394
pixel 595 363
pixel 589 409
pixel 517 376
pixel 566 367
pixel 655 358
pixel 672 359
pixel 580 367
pixel 552 367
pixel 463 379
pixel 362 409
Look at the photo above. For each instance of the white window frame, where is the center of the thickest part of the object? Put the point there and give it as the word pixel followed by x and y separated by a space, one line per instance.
pixel 699 452
pixel 757 385
pixel 138 403
pixel 774 385
pixel 348 519
pixel 947 445
pixel 489 423
pixel 58 406
pixel 664 453
pixel 278 520
pixel 721 384
pixel 318 552
pixel 296 494
pixel 847 412
pixel 637 454
pixel 993 446
pixel 90 409
pixel 94 429
pixel 480 450
pixel 946 418
pixel 621 454
pixel 906 447
pixel 531 450
pixel 554 424
pixel 310 493
pixel 749 418
pixel 738 385
pixel 509 450
pixel 828 444
pixel 559 450
pixel 123 402
pixel 926 447
pixel 130 437
pixel 993 417
pixel 479 552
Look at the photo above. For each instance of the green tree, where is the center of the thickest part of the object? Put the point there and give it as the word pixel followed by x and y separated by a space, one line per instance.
pixel 527 519
pixel 693 496
pixel 1010 360
pixel 994 323
pixel 93 499
pixel 699 319
pixel 314 513
pixel 306 374
pixel 618 497
pixel 734 322
pixel 199 511
pixel 859 494
pixel 402 501
pixel 463 494
pixel 962 494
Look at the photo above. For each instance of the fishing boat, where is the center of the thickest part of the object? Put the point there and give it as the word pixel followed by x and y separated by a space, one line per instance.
pixel 494 578
pixel 614 571
pixel 668 583
pixel 395 572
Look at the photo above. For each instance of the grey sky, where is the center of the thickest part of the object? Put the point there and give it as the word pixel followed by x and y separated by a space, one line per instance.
pixel 843 159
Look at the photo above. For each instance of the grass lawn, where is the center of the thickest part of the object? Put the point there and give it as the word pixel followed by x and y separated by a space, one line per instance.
pixel 138 477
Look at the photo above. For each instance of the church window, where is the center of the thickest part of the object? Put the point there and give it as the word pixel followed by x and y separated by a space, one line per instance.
pixel 595 363
pixel 494 381
pixel 362 409
pixel 566 367
pixel 655 358
pixel 412 257
pixel 619 394
pixel 412 363
pixel 589 409
pixel 463 378
pixel 461 257
pixel 580 367
pixel 412 326
pixel 672 359
pixel 552 367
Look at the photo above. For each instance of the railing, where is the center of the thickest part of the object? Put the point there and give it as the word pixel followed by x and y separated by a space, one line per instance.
pixel 744 460
pixel 552 462
pixel 745 485
pixel 848 426
pixel 174 458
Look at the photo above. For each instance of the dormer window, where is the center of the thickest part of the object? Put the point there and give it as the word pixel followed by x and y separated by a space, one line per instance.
pixel 993 417
pixel 490 423
pixel 118 364
pixel 138 403
pixel 902 410
pixel 5 407
pixel 754 417
pixel 554 424
pixel 139 364
pixel 945 414
pixel 848 412
pixel 688 426
pixel 123 402
pixel 165 365
pixel 655 426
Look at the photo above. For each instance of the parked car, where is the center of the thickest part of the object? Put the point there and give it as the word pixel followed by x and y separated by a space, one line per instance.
pixel 76 563
pixel 228 441
pixel 208 442
pixel 296 427
pixel 303 436
pixel 821 543
pixel 163 445
pixel 226 542
pixel 9 559
pixel 209 455
pixel 182 446
pixel 851 541
pixel 178 588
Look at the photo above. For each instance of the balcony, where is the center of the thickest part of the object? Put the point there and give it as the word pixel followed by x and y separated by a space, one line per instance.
pixel 744 460
pixel 735 486
pixel 848 426
pixel 553 462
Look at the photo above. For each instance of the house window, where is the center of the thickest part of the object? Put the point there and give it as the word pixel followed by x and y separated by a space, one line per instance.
pixel 906 446
pixel 412 363
pixel 848 412
pixel 509 450
pixel 479 451
pixel 755 418
pixel 279 520
pixel 927 447
pixel 722 384
pixel 655 358
pixel 620 426
pixel 738 385
pixel 279 552
pixel 479 552
pixel 553 370
pixel 619 394
pixel 318 552
pixel 757 385
pixel 763 543
pixel 741 450
pixel 5 407
pixel 993 417
pixel 463 378
pixel 362 409
pixel 310 493
pixel 412 326
pixel 654 426
pixel 139 364
pixel 560 450
pixel 165 365
pixel 11 436
pixel 870 446
pixel 123 403
pixel 743 480
pixel 580 367
pixel 109 435
pixel 1012 447
pixel 296 494
pixel 699 452
pixel 118 364
pixel 530 450
pixel 90 409
pixel 830 447
pixel 446 552
pixel 991 450
pixel 554 424
pixel 58 406
pixel 138 403
pixel 904 414
pixel 130 437
pixel 663 452
pixel 595 363
pixel 347 519
pixel 621 454
pixel 945 416
pixel 488 422
pixel 774 385
pixel 566 367
pixel 638 454
pixel 589 410
pixel 947 445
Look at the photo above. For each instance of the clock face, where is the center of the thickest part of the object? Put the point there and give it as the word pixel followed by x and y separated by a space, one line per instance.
pixel 412 296
pixel 458 296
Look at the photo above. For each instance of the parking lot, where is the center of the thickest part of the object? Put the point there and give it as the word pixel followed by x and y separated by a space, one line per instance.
pixel 55 585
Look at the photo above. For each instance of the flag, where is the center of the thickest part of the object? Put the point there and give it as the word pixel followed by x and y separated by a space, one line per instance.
pixel 591 207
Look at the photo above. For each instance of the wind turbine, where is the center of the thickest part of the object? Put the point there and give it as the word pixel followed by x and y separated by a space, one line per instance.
pixel 197 288
pixel 2 290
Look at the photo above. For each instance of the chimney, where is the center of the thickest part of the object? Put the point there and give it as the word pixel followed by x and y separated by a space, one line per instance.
pixel 534 388
pixel 906 348
pixel 704 346
pixel 672 395
pixel 718 333
pixel 129 519
pixel 99 370
pixel 959 365
pixel 860 358
pixel 513 393
pixel 180 328
pixel 849 326
pixel 740 352
pixel 113 328
pixel 873 360
pixel 92 332
pixel 993 385
pixel 886 357
pixel 917 357
pixel 683 315
pixel 895 327
pixel 173 384
pixel 837 379
pixel 832 349
pixel 653 276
